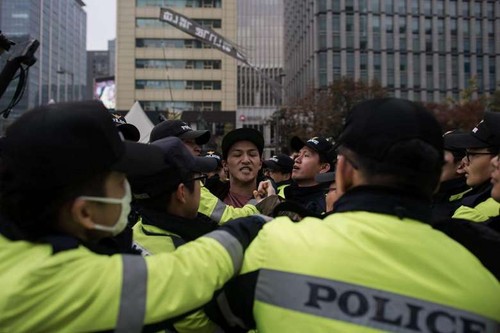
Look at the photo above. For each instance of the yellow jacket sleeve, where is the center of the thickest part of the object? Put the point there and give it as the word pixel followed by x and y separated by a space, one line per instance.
pixel 218 211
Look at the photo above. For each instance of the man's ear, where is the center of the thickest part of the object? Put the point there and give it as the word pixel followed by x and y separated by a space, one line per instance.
pixel 82 212
pixel 343 175
pixel 325 167
pixel 180 193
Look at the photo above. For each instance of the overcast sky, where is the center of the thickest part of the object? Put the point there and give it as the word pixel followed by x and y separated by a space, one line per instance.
pixel 101 23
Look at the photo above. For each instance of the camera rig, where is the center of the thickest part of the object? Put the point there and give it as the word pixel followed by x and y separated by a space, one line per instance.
pixel 21 59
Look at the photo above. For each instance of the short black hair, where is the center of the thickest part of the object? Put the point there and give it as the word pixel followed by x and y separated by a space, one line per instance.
pixel 161 198
pixel 35 210
pixel 412 165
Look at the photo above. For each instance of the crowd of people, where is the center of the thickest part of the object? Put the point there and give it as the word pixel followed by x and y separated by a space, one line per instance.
pixel 392 226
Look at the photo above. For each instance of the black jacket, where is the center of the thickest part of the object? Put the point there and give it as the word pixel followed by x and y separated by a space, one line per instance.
pixel 311 198
pixel 443 203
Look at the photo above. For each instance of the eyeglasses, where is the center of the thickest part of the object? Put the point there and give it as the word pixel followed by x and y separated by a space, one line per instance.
pixel 469 154
pixel 203 178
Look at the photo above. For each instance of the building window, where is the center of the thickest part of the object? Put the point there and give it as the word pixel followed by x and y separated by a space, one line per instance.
pixel 321 5
pixel 402 25
pixel 453 26
pixel 363 57
pixel 376 23
pixel 389 7
pixel 375 5
pixel 428 25
pixel 427 7
pixel 336 5
pixel 439 9
pixel 336 23
pixel 477 9
pixel 321 22
pixel 465 9
pixel 389 24
pixel 440 26
pixel 414 7
pixel 390 42
pixel 350 64
pixel 349 22
pixel 401 7
pixel 490 10
pixel 415 25
pixel 336 65
pixel 349 6
pixel 452 8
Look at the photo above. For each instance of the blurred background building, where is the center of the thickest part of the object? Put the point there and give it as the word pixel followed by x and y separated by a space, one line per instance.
pixel 60 72
pixel 260 36
pixel 170 72
pixel 424 50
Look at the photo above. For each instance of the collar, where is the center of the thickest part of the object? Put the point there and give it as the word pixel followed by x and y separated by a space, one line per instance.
pixel 285 182
pixel 478 194
pixel 59 241
pixel 385 200
pixel 187 229
pixel 294 190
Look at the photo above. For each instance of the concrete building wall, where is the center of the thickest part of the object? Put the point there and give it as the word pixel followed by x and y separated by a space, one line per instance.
pixel 164 68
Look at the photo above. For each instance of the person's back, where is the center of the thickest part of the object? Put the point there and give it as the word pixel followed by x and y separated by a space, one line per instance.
pixel 375 264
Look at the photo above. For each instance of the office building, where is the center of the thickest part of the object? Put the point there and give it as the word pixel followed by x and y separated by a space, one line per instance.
pixel 171 72
pixel 60 71
pixel 98 67
pixel 424 50
pixel 260 36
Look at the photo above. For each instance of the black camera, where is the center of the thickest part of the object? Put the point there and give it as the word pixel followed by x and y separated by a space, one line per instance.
pixel 5 43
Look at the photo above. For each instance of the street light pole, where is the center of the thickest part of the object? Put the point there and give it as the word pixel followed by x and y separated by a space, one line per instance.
pixel 72 75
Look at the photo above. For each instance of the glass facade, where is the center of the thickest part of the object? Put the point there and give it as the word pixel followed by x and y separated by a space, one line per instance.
pixel 392 41
pixel 260 35
pixel 60 26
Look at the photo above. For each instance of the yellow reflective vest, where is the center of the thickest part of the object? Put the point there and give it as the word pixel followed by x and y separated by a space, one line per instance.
pixel 77 290
pixel 361 271
pixel 149 239
pixel 481 212
pixel 218 211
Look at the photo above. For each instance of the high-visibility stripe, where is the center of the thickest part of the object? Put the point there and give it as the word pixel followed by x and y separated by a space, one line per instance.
pixel 133 297
pixel 231 244
pixel 218 211
pixel 365 306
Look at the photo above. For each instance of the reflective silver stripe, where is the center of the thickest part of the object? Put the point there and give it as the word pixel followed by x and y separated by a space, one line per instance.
pixel 225 309
pixel 133 297
pixel 218 211
pixel 364 306
pixel 231 244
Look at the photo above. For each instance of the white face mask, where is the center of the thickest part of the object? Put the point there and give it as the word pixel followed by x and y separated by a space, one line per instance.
pixel 125 210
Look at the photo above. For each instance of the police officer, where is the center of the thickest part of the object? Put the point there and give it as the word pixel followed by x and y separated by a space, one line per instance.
pixel 375 264
pixel 452 184
pixel 210 205
pixel 167 201
pixel 62 188
pixel 280 168
pixel 480 145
